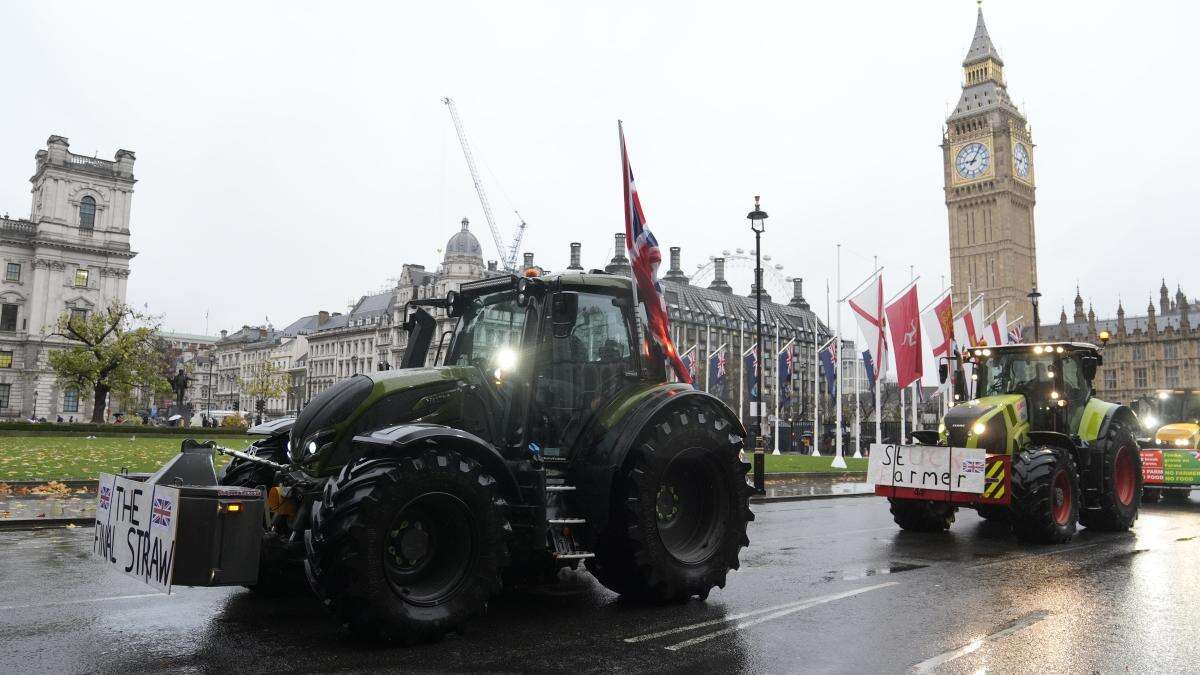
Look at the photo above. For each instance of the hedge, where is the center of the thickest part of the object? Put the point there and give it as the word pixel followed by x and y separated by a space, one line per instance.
pixel 54 429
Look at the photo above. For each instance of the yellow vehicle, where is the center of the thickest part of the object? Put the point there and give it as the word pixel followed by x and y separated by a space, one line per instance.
pixel 1171 451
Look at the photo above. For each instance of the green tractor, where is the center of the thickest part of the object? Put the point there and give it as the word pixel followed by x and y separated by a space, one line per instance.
pixel 1034 449
pixel 549 436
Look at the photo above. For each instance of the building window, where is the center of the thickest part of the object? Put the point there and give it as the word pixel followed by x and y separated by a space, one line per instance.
pixel 1172 376
pixel 1171 351
pixel 71 400
pixel 1110 380
pixel 5 359
pixel 5 389
pixel 78 314
pixel 1139 378
pixel 81 277
pixel 87 213
pixel 12 272
pixel 1139 352
pixel 8 318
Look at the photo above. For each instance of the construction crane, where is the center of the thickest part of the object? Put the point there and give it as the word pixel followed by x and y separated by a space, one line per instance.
pixel 508 254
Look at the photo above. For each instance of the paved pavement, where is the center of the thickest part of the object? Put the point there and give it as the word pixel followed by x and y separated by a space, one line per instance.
pixel 826 586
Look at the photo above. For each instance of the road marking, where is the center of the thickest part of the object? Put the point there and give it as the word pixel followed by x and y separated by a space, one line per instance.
pixel 1015 626
pixel 771 613
pixel 81 602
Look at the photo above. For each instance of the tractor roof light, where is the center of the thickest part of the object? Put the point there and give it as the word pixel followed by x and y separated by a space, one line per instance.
pixel 1164 395
pixel 1037 349
pixel 987 352
pixel 1059 349
pixel 1054 395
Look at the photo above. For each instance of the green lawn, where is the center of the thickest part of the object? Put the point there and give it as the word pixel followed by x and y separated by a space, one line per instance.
pixel 809 464
pixel 60 457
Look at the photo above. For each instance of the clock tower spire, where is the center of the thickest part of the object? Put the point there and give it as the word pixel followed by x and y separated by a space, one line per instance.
pixel 987 156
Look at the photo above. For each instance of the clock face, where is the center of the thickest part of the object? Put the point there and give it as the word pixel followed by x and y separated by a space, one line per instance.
pixel 972 160
pixel 1021 160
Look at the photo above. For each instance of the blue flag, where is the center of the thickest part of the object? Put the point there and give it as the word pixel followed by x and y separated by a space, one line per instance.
pixel 716 373
pixel 785 377
pixel 750 367
pixel 829 366
pixel 870 367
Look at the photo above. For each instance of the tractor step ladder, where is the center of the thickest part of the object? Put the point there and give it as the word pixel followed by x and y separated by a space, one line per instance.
pixel 559 517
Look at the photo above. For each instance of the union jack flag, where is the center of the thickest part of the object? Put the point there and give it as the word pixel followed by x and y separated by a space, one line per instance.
pixel 644 258
pixel 716 372
pixel 160 513
pixel 786 368
pixel 689 362
pixel 1014 336
pixel 105 496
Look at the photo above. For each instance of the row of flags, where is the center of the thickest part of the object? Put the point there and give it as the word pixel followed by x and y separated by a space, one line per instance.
pixel 900 319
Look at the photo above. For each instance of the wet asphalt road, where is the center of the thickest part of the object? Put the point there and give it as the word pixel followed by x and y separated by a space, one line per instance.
pixel 826 586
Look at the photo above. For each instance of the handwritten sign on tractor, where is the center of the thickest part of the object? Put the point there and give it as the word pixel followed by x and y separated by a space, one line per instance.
pixel 928 467
pixel 135 529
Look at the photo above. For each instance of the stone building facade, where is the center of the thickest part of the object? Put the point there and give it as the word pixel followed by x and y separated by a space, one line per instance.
pixel 1157 350
pixel 71 255
pixel 987 157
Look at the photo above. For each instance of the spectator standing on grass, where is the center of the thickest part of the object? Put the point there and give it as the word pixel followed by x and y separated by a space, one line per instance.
pixel 59 420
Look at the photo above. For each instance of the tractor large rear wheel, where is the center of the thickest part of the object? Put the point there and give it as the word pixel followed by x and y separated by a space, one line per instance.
pixel 407 549
pixel 1120 483
pixel 679 510
pixel 920 515
pixel 1045 495
pixel 277 574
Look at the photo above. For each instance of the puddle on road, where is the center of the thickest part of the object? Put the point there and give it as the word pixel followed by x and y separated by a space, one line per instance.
pixel 855 574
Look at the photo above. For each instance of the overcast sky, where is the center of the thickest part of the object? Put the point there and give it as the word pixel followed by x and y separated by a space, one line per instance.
pixel 291 156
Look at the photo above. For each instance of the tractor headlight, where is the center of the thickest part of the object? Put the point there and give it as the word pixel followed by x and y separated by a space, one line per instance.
pixel 979 428
pixel 1054 395
pixel 1150 422
pixel 311 448
pixel 506 359
pixel 1181 442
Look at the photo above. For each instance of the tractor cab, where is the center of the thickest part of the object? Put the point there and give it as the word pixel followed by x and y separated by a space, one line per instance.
pixel 551 351
pixel 1171 418
pixel 1054 380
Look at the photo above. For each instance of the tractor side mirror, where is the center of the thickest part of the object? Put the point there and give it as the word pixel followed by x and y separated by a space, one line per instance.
pixel 420 327
pixel 455 304
pixel 943 372
pixel 564 312
pixel 1089 367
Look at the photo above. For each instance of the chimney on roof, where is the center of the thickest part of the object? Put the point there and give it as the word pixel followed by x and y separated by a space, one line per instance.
pixel 224 333
pixel 576 248
pixel 322 318
pixel 262 332
pixel 798 294
pixel 528 260
pixel 675 273
pixel 491 265
pixel 619 264
pixel 718 282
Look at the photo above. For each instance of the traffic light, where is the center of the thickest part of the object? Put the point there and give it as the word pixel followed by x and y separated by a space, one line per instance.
pixel 260 405
pixel 237 404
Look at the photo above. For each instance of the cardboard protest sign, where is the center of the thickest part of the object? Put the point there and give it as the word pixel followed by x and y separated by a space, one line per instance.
pixel 927 467
pixel 135 529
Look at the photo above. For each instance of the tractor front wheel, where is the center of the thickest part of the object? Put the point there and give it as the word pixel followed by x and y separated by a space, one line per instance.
pixel 917 515
pixel 1120 482
pixel 1045 499
pixel 679 511
pixel 407 549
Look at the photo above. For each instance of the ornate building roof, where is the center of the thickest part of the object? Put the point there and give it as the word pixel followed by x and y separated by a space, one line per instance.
pixel 464 243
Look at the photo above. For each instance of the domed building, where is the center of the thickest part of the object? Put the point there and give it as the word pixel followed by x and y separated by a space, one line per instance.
pixel 462 262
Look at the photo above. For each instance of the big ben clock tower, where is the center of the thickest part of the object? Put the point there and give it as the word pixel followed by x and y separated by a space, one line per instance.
pixel 987 155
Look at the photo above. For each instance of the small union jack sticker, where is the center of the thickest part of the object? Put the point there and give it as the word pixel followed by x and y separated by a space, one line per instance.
pixel 105 496
pixel 161 512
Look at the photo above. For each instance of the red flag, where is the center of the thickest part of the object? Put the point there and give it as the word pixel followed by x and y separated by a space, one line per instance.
pixel 903 318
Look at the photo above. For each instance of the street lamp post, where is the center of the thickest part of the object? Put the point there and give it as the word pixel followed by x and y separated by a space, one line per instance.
pixel 1033 298
pixel 758 219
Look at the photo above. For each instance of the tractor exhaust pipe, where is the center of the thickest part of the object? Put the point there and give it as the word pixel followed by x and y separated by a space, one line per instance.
pixel 249 458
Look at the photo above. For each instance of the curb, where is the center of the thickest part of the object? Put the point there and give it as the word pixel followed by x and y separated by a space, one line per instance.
pixel 69 482
pixel 47 523
pixel 815 474
pixel 804 498
pixel 42 523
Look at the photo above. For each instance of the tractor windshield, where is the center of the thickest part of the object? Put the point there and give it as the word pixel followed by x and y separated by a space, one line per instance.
pixel 489 333
pixel 1179 406
pixel 1017 372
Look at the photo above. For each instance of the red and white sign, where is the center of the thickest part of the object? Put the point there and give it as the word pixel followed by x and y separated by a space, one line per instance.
pixel 927 467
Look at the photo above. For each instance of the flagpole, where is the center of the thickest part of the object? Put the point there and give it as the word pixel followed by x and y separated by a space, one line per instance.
pixel 941 294
pixel 628 218
pixel 916 395
pixel 778 384
pixel 707 353
pixel 816 392
pixel 839 462
pixel 857 406
pixel 741 368
pixel 901 389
